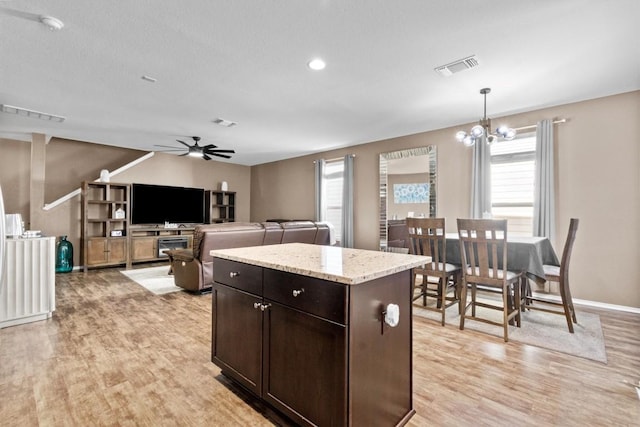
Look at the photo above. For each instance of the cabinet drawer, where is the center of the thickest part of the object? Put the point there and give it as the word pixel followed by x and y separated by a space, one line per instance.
pixel 238 275
pixel 315 296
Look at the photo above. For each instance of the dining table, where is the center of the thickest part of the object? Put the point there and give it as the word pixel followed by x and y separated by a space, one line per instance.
pixel 527 254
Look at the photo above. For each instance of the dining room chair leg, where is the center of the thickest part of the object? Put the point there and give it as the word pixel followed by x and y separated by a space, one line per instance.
pixel 565 305
pixel 505 314
pixel 473 299
pixel 463 302
pixel 518 303
pixel 458 290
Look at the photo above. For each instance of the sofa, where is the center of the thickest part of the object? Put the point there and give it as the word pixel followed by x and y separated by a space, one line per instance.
pixel 193 268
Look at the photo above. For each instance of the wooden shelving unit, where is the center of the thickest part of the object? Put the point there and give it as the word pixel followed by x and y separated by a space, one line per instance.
pixel 105 235
pixel 223 206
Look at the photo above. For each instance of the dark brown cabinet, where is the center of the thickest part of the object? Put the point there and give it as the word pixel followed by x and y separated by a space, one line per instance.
pixel 237 349
pixel 317 351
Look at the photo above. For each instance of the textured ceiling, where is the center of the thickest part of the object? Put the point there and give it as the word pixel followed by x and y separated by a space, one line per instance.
pixel 245 61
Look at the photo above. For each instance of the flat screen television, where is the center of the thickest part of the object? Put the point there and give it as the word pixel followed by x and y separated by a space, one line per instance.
pixel 157 204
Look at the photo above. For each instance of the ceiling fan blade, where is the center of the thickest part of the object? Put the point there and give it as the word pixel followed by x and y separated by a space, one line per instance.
pixel 185 154
pixel 220 155
pixel 210 146
pixel 183 143
pixel 220 151
pixel 204 156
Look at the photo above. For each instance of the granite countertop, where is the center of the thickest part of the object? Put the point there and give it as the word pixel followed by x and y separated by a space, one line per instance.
pixel 342 265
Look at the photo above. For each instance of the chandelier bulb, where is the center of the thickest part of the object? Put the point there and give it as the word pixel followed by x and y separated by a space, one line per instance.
pixel 460 135
pixel 477 131
pixel 468 141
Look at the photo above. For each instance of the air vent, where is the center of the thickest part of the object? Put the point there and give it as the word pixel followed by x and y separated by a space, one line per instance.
pixel 25 112
pixel 457 66
pixel 224 122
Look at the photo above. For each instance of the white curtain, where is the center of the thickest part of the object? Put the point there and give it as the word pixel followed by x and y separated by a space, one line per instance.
pixel 544 220
pixel 318 178
pixel 481 180
pixel 347 203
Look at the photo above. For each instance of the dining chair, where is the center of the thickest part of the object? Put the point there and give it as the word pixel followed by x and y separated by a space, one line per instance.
pixel 439 279
pixel 483 251
pixel 560 275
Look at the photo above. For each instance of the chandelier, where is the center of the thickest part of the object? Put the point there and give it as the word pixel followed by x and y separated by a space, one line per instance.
pixel 484 128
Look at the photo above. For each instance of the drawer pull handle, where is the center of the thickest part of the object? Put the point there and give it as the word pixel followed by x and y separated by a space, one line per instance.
pixel 263 307
pixel 297 292
pixel 234 274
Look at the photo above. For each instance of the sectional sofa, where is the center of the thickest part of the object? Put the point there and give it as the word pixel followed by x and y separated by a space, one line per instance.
pixel 193 268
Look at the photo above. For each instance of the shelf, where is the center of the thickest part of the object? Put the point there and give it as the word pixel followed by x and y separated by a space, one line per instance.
pixel 222 206
pixel 101 201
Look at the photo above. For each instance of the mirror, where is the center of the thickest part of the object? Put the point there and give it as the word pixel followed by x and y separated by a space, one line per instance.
pixel 407 188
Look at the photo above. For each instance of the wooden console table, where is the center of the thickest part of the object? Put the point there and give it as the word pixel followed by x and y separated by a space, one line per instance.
pixel 309 330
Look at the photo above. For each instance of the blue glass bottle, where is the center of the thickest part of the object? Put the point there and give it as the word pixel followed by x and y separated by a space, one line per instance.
pixel 64 256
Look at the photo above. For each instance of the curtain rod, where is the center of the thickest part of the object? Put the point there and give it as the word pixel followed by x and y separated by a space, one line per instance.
pixel 336 158
pixel 533 126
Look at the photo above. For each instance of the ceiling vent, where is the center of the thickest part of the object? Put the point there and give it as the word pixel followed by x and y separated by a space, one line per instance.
pixel 224 122
pixel 457 66
pixel 25 112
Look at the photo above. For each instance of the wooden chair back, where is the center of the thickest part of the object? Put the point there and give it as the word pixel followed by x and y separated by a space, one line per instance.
pixel 483 250
pixel 427 237
pixel 568 248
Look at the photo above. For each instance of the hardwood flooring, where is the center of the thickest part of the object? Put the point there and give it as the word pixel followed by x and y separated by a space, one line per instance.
pixel 115 354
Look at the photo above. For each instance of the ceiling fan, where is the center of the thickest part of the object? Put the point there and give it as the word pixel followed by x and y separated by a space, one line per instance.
pixel 195 150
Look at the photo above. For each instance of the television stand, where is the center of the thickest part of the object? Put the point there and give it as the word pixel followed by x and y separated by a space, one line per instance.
pixel 147 243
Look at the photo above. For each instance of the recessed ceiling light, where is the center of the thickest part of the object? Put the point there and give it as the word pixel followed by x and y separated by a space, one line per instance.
pixel 52 23
pixel 317 64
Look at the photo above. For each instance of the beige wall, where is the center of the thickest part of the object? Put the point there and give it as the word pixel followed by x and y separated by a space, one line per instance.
pixel 598 181
pixel 14 176
pixel 68 163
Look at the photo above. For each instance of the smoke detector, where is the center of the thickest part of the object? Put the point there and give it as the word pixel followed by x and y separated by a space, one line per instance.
pixel 457 66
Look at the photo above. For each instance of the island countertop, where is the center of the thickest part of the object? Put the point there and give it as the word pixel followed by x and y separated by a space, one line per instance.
pixel 342 265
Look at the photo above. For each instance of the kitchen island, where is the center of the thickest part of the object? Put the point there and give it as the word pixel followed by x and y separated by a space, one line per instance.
pixel 320 333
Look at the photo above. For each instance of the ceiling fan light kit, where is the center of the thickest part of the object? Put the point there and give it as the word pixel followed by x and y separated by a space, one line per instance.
pixel 484 128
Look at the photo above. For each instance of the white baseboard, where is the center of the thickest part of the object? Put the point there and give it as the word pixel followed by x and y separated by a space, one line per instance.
pixel 595 304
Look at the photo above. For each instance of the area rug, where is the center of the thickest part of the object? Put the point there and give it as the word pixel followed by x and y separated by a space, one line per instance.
pixel 154 279
pixel 538 328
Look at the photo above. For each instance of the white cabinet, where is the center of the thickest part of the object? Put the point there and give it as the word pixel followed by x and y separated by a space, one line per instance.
pixel 28 291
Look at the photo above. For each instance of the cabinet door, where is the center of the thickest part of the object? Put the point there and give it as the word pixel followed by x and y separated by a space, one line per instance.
pixel 143 248
pixel 236 345
pixel 305 368
pixel 117 250
pixel 97 251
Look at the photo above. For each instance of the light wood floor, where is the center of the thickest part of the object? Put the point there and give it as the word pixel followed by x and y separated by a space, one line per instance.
pixel 115 354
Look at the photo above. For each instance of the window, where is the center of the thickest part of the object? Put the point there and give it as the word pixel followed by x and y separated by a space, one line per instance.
pixel 512 183
pixel 332 181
